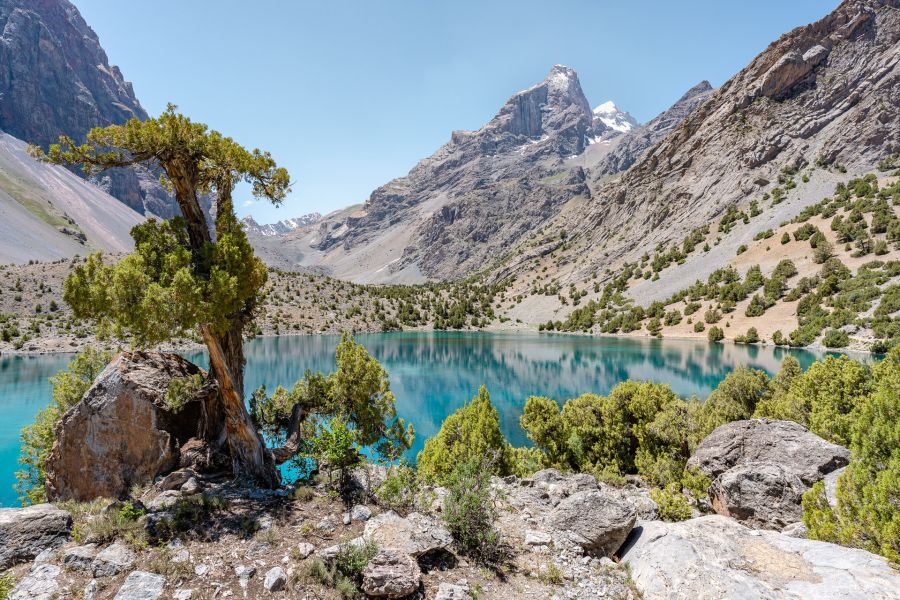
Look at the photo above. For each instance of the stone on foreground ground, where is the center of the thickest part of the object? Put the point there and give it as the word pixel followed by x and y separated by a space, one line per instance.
pixel 391 574
pixel 25 532
pixel 598 521
pixel 760 469
pixel 714 557
pixel 140 585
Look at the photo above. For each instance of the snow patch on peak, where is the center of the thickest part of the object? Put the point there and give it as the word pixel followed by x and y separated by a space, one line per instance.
pixel 617 120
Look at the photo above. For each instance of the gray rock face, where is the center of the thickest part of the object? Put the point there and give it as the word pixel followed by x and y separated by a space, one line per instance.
pixel 121 433
pixel 305 549
pixel 598 521
pixel 26 532
pixel 761 468
pixel 391 574
pixel 715 557
pixel 80 558
pixel 773 442
pixel 39 584
pixel 112 560
pixel 140 585
pixel 414 535
pixel 55 79
pixel 763 495
pixel 633 144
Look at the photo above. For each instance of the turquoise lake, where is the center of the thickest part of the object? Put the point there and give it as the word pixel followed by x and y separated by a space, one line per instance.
pixel 433 374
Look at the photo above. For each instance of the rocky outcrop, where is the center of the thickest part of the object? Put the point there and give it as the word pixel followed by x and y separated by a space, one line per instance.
pixel 391 574
pixel 26 532
pixel 715 557
pixel 597 521
pixel 772 442
pixel 55 79
pixel 635 142
pixel 122 432
pixel 760 469
pixel 40 583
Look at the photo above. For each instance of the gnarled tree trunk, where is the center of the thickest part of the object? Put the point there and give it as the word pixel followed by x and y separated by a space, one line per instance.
pixel 251 460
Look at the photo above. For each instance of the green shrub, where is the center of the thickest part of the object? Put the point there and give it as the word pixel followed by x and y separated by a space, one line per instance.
pixel 823 399
pixel 671 503
pixel 469 511
pixel 866 514
pixel 715 334
pixel 7 583
pixel 835 338
pixel 472 432
pixel 400 488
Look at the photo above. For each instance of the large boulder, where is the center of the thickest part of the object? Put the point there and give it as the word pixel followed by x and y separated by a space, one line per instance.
pixel 762 495
pixel 122 432
pixel 596 520
pixel 391 574
pixel 760 469
pixel 415 535
pixel 715 557
pixel 784 443
pixel 26 532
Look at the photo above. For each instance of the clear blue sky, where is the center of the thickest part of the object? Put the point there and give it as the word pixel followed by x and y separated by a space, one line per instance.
pixel 348 95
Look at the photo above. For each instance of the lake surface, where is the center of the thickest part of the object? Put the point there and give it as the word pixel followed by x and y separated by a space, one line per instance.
pixel 433 374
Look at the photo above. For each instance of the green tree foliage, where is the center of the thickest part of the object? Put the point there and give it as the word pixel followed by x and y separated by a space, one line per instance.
pixel 868 492
pixel 180 278
pixel 470 433
pixel 638 427
pixel 355 400
pixel 823 399
pixel 37 439
pixel 735 398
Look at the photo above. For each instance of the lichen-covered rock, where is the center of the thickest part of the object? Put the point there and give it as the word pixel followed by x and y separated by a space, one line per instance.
pixel 26 532
pixel 112 560
pixel 80 558
pixel 391 574
pixel 275 579
pixel 598 521
pixel 714 557
pixel 122 433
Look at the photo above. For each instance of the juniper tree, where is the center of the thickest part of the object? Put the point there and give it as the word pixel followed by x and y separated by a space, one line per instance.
pixel 187 273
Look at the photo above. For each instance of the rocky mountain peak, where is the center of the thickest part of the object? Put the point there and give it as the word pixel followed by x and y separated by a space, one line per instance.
pixel 281 227
pixel 613 118
pixel 55 78
pixel 556 107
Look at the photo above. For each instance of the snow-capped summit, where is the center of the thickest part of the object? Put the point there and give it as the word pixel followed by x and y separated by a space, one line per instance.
pixel 281 227
pixel 610 115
